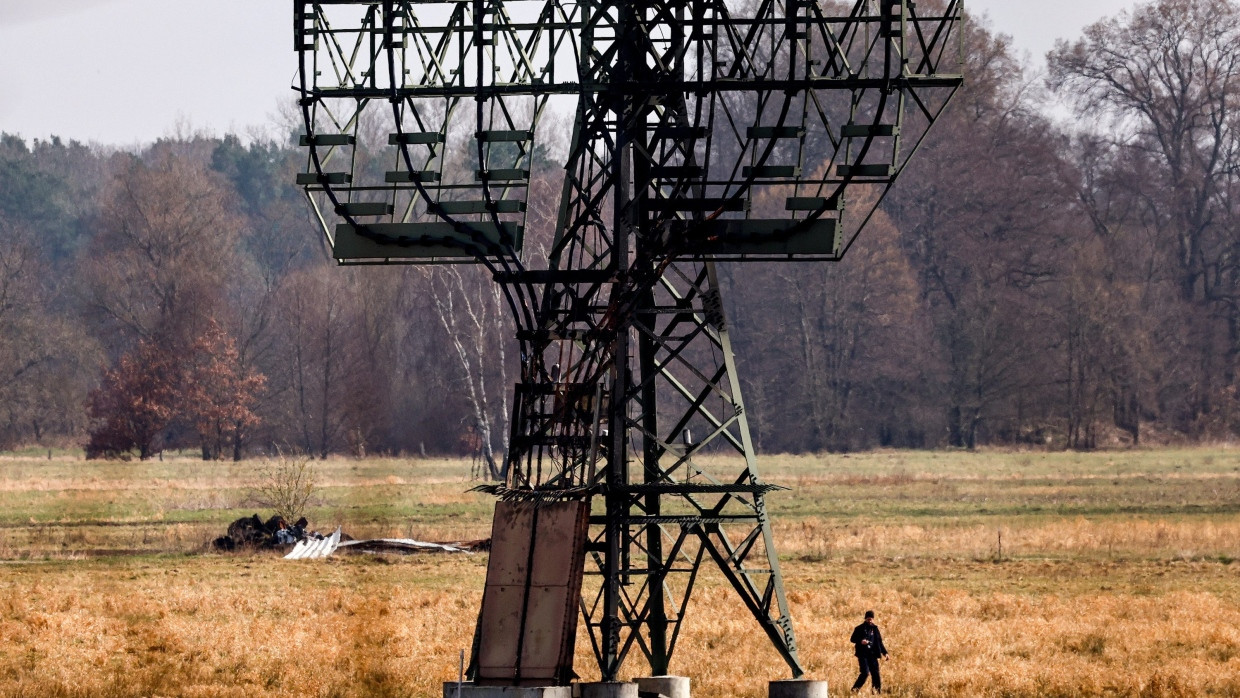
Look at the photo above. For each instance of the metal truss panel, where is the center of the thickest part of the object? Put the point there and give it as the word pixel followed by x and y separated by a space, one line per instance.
pixel 732 112
pixel 429 240
pixel 743 240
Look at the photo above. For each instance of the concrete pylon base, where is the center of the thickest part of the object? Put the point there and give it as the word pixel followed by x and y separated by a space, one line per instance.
pixel 467 690
pixel 798 689
pixel 608 689
pixel 666 686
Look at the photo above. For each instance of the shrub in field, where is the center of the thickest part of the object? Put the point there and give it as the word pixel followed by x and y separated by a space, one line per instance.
pixel 286 484
pixel 1093 644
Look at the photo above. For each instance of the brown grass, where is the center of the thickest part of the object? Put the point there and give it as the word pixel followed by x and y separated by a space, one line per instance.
pixel 257 625
pixel 1117 577
pixel 815 538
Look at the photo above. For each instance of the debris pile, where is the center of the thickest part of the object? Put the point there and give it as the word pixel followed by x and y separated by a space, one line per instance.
pixel 310 549
pixel 306 549
pixel 253 532
pixel 408 545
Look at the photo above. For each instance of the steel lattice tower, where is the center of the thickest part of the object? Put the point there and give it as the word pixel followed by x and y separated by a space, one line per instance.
pixel 705 131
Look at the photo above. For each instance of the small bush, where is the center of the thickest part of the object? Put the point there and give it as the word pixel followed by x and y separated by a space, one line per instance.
pixel 286 484
pixel 1093 644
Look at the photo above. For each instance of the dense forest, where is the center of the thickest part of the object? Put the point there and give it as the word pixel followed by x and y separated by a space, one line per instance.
pixel 1057 276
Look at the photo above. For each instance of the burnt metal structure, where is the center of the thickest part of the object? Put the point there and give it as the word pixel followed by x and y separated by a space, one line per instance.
pixel 704 131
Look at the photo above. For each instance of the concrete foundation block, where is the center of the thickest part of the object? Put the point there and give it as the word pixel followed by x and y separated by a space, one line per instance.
pixel 608 689
pixel 468 690
pixel 666 686
pixel 798 688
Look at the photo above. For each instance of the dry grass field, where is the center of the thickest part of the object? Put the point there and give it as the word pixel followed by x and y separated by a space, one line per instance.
pixel 993 574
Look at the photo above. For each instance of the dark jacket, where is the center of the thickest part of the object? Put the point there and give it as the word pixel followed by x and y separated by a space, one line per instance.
pixel 868 631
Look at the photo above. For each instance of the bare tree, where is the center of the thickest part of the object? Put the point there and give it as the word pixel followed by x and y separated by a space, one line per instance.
pixel 379 308
pixel 43 354
pixel 166 244
pixel 1165 81
pixel 831 341
pixel 985 221
pixel 472 313
pixel 319 345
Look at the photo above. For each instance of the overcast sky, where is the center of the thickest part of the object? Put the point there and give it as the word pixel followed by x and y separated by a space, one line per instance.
pixel 123 72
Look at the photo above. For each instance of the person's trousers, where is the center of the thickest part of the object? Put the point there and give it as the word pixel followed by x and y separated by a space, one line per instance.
pixel 869 667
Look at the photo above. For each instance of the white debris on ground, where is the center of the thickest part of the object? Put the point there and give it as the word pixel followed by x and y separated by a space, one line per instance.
pixel 314 548
pixel 401 545
pixel 310 549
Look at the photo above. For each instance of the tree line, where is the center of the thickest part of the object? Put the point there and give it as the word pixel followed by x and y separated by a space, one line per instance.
pixel 1032 279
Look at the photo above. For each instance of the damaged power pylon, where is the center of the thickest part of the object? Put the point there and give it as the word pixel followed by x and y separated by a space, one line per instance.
pixel 704 131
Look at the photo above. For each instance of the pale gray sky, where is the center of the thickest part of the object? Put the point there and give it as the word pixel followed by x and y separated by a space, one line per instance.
pixel 120 72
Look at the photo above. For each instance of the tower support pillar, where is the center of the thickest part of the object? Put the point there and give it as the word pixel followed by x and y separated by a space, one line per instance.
pixel 609 689
pixel 666 686
pixel 452 689
pixel 798 688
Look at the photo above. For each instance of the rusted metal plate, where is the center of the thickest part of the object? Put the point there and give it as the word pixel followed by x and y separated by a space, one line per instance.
pixel 529 608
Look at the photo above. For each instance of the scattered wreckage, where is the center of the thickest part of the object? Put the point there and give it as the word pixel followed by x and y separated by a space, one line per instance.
pixel 253 532
pixel 276 533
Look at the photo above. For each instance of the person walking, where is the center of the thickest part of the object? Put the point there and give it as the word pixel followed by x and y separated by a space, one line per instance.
pixel 868 642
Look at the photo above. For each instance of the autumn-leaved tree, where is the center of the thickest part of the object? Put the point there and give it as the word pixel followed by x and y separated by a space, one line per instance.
pixel 134 404
pixel 219 393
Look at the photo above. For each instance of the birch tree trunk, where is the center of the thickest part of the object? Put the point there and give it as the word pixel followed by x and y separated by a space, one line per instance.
pixel 471 315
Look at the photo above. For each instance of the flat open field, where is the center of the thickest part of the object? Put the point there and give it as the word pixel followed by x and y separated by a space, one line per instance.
pixel 993 574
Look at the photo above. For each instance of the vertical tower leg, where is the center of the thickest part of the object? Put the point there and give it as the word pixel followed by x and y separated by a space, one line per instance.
pixel 684 400
pixel 771 607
